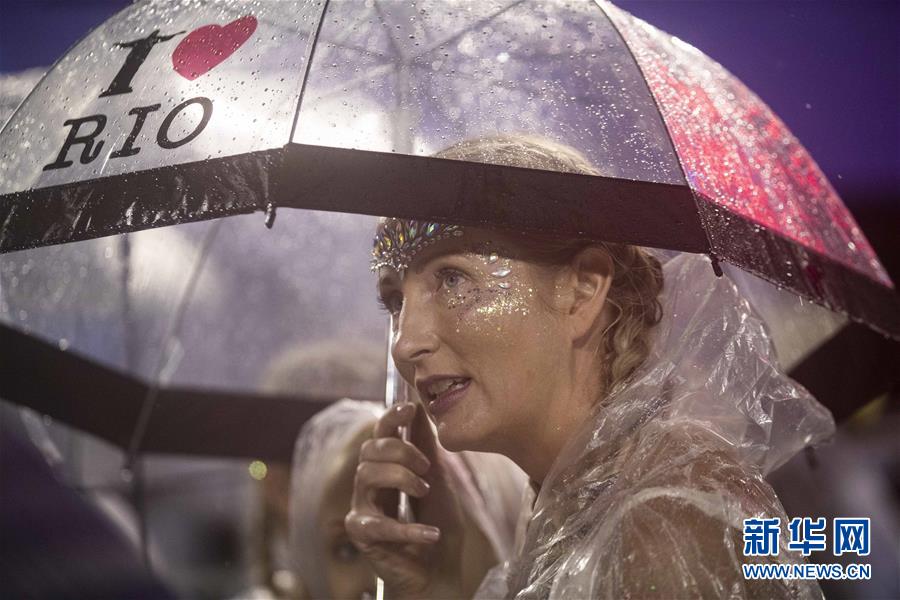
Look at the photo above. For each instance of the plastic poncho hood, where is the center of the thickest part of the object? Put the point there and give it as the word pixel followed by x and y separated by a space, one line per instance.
pixel 648 499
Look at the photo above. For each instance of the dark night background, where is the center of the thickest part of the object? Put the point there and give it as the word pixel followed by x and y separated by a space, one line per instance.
pixel 829 69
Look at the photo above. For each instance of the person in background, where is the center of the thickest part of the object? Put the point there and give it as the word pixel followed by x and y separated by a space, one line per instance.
pixel 488 490
pixel 318 370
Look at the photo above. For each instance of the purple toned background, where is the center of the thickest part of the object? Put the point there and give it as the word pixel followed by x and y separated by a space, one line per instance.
pixel 829 69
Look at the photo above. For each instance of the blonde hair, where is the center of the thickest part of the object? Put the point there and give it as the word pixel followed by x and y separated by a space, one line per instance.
pixel 637 275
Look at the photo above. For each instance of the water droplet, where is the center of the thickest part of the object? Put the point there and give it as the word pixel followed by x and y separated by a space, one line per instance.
pixel 501 272
pixel 126 474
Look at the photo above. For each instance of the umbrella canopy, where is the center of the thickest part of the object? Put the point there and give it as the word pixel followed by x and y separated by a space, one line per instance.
pixel 235 333
pixel 175 112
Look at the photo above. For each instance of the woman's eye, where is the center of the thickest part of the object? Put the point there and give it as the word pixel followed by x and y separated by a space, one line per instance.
pixel 392 303
pixel 345 552
pixel 450 278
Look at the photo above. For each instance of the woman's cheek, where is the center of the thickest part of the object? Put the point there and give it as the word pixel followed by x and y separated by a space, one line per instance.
pixel 494 309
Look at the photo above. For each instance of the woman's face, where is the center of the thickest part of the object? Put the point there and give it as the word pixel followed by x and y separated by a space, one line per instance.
pixel 476 335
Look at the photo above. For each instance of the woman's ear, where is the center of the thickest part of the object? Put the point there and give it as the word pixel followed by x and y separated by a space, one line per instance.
pixel 590 279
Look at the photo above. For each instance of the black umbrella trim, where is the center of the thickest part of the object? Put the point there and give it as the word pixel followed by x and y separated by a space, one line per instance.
pixel 123 203
pixel 102 401
pixel 477 194
pixel 810 274
pixel 347 180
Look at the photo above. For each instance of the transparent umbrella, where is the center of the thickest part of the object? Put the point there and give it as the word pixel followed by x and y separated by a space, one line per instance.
pixel 207 306
pixel 175 112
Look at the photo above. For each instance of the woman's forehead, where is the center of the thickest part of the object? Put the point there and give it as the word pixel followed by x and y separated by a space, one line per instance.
pixel 471 241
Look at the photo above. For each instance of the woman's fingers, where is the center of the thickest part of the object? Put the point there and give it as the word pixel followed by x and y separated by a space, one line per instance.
pixel 367 529
pixel 391 548
pixel 374 476
pixel 397 416
pixel 421 433
pixel 394 450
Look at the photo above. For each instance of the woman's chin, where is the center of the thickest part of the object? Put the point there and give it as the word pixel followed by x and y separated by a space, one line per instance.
pixel 457 437
pixel 450 441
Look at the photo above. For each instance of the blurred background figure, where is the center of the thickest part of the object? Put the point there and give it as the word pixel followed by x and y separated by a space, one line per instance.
pixel 325 560
pixel 349 367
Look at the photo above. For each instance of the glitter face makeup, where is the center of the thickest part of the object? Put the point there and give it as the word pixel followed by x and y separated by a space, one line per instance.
pixel 495 291
pixel 473 337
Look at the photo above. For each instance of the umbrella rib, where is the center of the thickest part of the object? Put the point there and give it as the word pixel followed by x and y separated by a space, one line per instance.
pixel 351 84
pixel 341 41
pixel 474 25
pixel 662 118
pixel 149 401
pixel 374 71
pixel 311 43
pixel 398 51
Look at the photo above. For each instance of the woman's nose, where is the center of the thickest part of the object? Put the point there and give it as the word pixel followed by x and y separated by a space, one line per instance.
pixel 416 337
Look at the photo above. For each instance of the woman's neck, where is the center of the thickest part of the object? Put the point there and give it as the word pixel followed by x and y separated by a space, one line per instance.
pixel 562 418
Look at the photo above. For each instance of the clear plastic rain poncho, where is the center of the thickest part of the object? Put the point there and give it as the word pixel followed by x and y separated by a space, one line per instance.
pixel 648 499
pixel 489 486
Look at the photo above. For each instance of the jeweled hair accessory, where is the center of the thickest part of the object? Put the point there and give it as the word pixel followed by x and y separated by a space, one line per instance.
pixel 397 241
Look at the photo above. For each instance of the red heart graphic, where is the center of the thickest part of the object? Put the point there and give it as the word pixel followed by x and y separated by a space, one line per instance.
pixel 205 47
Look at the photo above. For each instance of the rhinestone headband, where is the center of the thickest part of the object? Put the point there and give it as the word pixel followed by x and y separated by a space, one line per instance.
pixel 397 241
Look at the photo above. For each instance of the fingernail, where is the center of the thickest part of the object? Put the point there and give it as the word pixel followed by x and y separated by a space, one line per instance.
pixel 432 534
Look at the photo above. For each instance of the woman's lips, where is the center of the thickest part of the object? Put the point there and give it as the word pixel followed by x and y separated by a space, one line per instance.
pixel 446 400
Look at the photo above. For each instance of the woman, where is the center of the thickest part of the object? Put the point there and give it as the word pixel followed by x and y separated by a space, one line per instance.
pixel 326 563
pixel 645 418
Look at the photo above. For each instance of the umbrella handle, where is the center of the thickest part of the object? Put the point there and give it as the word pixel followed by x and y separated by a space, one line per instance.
pixel 395 392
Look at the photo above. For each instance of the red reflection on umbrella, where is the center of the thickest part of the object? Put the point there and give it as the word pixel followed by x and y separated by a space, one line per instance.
pixel 738 155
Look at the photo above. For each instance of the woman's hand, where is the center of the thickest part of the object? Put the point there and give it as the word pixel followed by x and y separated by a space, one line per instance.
pixel 414 559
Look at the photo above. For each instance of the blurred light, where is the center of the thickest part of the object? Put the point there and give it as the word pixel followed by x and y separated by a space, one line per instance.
pixel 258 470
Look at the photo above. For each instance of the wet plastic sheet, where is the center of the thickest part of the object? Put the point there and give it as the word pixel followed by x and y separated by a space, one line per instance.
pixel 649 498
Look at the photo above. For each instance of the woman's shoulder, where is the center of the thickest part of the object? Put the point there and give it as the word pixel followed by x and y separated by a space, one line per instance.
pixel 678 519
pixel 685 461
